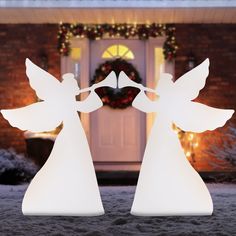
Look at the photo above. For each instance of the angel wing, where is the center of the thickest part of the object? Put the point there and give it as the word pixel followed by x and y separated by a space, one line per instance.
pixel 91 103
pixel 193 116
pixel 187 87
pixel 197 117
pixel 143 103
pixel 37 117
pixel 45 85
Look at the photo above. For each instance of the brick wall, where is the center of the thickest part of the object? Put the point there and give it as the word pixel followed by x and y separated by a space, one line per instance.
pixel 16 43
pixel 214 41
pixel 217 42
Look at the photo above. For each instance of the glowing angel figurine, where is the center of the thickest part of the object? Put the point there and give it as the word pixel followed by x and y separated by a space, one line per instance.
pixel 168 184
pixel 66 184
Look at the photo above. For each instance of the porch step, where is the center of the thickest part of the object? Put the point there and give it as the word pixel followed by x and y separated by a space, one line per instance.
pixel 131 177
pixel 117 177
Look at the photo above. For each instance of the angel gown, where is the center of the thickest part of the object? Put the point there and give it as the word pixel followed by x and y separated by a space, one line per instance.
pixel 66 184
pixel 168 184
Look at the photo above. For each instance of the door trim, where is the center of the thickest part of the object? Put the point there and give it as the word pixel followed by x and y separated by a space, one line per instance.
pixel 67 63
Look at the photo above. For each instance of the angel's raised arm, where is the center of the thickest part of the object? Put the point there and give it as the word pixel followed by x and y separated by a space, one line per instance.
pixel 93 101
pixel 141 101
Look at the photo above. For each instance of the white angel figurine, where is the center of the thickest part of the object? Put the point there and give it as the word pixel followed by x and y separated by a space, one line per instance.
pixel 66 184
pixel 168 184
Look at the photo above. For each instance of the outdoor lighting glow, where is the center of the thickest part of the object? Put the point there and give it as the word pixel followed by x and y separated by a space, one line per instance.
pixel 118 51
pixel 76 53
pixel 188 154
pixel 43 135
pixel 188 141
pixel 98 31
pixel 191 136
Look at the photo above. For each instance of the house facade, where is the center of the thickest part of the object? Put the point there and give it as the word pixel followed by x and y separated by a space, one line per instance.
pixel 100 32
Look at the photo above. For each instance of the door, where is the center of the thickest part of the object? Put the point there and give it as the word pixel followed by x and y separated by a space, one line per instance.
pixel 117 135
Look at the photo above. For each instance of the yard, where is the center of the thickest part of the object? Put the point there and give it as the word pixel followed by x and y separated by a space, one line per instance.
pixel 117 221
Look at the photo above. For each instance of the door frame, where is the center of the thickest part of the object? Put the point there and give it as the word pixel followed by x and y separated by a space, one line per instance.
pixel 101 46
pixel 151 78
pixel 67 63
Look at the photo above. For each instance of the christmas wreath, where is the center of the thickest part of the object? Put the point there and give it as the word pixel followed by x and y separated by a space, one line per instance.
pixel 116 98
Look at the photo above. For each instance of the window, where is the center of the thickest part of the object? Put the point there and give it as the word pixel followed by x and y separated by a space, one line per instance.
pixel 118 51
pixel 158 63
pixel 75 53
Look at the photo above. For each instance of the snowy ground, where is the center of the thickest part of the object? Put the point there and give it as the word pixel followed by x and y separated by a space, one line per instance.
pixel 117 221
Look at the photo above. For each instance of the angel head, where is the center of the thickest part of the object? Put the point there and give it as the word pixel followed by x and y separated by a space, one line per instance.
pixel 165 83
pixel 69 82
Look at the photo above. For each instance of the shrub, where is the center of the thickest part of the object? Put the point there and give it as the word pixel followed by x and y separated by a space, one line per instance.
pixel 15 168
pixel 226 149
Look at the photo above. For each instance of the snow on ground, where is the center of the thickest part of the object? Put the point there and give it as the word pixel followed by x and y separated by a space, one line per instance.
pixel 117 221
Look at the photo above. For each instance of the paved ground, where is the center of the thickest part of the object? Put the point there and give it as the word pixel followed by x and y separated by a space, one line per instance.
pixel 117 221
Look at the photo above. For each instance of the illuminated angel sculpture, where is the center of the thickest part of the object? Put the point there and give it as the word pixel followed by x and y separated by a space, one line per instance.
pixel 66 184
pixel 168 184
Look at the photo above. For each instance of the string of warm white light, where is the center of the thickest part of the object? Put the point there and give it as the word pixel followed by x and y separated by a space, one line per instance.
pixel 189 142
pixel 98 31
